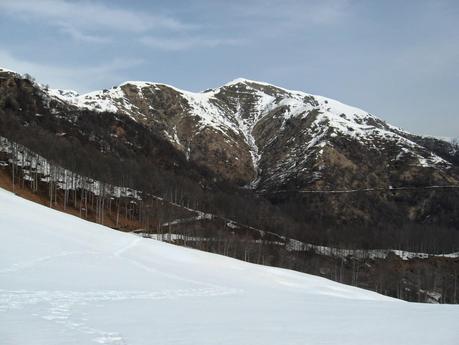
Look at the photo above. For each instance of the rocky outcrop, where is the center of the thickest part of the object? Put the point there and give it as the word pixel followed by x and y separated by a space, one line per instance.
pixel 270 138
pixel 278 144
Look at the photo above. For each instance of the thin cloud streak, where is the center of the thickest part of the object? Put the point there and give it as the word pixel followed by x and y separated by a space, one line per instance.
pixel 289 14
pixel 178 44
pixel 83 78
pixel 81 19
pixel 101 24
pixel 78 35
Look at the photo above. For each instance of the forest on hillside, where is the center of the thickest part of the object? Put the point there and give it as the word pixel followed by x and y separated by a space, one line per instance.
pixel 119 151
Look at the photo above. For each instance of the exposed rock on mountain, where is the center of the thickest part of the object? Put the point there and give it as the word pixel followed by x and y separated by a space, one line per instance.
pixel 270 138
pixel 312 167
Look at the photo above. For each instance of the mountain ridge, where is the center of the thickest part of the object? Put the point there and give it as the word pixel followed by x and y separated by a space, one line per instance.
pixel 266 137
pixel 239 119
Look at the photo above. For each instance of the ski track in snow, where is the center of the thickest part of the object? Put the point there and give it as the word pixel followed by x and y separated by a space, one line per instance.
pixel 126 248
pixel 57 306
pixel 149 269
pixel 31 263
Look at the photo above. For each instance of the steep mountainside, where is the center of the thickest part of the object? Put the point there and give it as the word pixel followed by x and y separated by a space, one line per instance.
pixel 312 167
pixel 272 139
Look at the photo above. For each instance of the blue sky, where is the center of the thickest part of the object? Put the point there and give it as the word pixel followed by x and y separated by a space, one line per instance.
pixel 396 59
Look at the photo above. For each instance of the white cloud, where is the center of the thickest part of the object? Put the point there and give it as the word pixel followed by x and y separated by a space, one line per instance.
pixel 82 78
pixel 255 19
pixel 179 43
pixel 80 19
pixel 99 23
pixel 275 14
pixel 79 35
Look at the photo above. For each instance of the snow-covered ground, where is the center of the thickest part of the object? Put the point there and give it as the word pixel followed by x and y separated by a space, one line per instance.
pixel 67 281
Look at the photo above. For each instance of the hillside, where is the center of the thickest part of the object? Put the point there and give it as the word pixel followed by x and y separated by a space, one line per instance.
pixel 414 276
pixel 271 137
pixel 268 164
pixel 280 145
pixel 65 280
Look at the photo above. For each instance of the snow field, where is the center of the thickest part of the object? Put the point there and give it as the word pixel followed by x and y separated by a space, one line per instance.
pixel 64 280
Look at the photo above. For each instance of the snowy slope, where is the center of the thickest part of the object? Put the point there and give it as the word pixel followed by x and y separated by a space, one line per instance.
pixel 67 281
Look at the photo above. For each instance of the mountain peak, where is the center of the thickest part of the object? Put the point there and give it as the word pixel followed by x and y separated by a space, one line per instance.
pixel 3 69
pixel 242 80
pixel 262 84
pixel 270 135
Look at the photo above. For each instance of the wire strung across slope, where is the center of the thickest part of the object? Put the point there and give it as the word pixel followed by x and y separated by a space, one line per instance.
pixel 388 189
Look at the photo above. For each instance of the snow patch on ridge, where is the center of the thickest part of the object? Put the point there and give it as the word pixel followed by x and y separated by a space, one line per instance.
pixel 3 69
pixel 212 113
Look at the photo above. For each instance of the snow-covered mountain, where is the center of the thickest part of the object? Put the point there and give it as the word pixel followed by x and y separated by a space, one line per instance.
pixel 67 281
pixel 265 136
pixel 270 138
pixel 317 171
pixel 251 134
